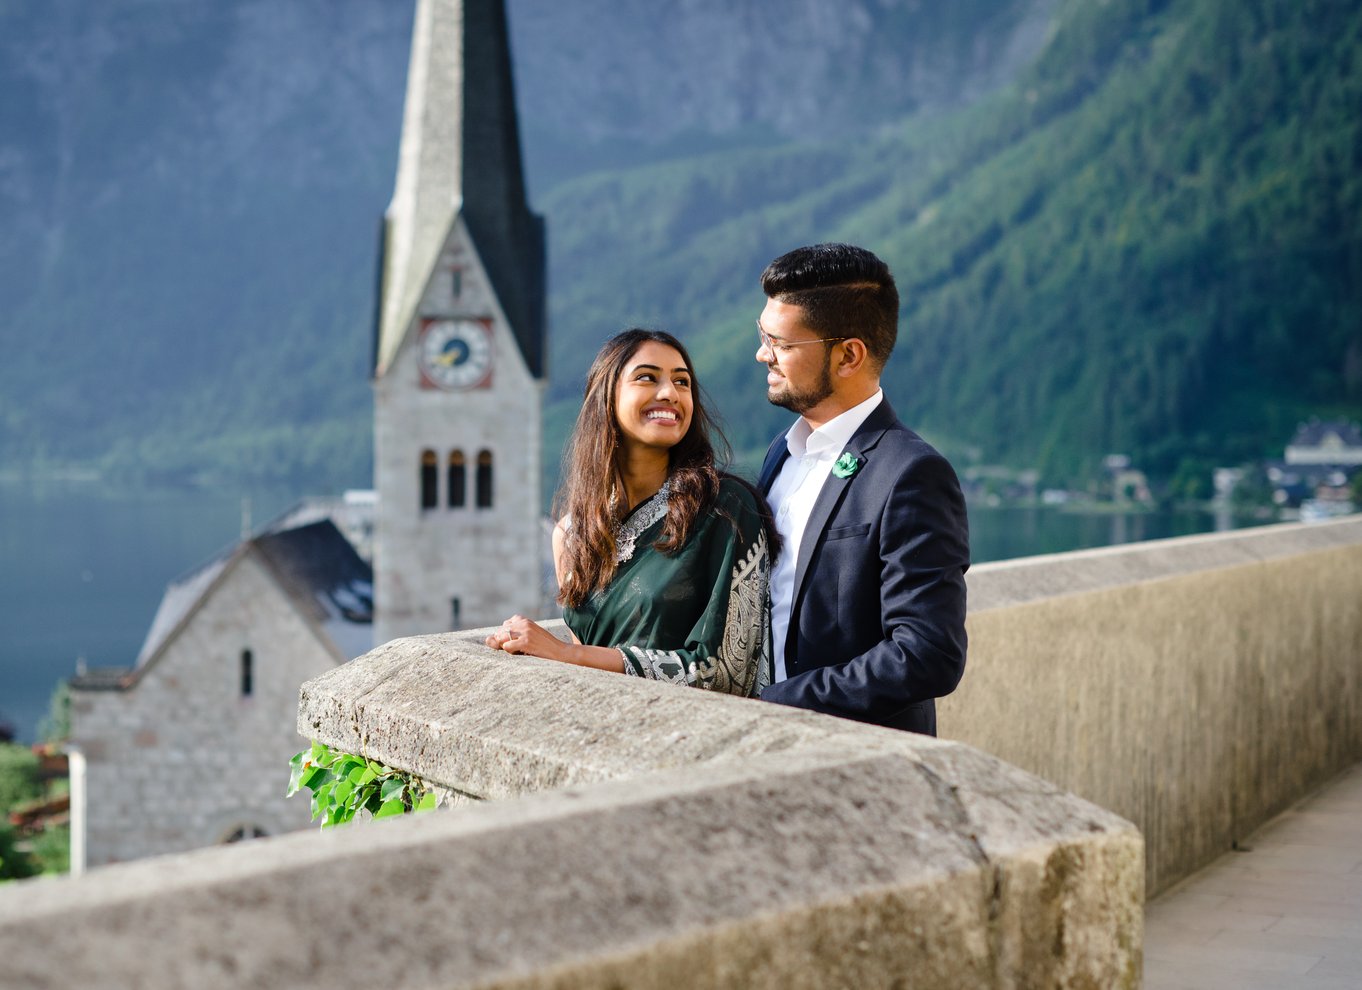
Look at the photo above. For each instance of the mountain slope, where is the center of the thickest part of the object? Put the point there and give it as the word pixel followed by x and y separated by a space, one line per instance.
pixel 1149 244
pixel 1146 241
pixel 192 191
pixel 185 266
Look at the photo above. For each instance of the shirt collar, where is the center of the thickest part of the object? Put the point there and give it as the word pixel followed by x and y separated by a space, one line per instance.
pixel 829 439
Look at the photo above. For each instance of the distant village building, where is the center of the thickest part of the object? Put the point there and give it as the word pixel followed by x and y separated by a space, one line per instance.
pixel 190 746
pixel 1127 483
pixel 1332 444
pixel 1224 480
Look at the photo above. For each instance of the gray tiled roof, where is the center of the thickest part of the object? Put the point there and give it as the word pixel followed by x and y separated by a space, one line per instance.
pixel 180 596
pixel 1312 434
pixel 314 564
pixel 101 679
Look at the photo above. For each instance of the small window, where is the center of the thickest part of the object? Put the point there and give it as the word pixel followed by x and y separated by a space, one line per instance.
pixel 455 283
pixel 455 618
pixel 458 480
pixel 484 479
pixel 245 832
pixel 430 496
pixel 247 674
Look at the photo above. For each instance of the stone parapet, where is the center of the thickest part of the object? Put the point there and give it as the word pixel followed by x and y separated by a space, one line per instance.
pixel 643 835
pixel 1196 686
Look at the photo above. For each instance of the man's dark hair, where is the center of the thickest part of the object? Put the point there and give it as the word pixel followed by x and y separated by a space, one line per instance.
pixel 844 291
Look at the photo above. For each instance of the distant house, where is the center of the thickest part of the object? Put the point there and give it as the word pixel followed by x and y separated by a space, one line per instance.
pixel 1332 444
pixel 189 747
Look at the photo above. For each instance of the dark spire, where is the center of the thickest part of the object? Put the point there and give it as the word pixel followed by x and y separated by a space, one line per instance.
pixel 460 154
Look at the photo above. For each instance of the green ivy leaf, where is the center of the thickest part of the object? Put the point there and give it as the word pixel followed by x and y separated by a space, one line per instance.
pixel 343 784
pixel 340 794
pixel 338 815
pixel 297 766
pixel 345 765
pixel 390 808
pixel 321 801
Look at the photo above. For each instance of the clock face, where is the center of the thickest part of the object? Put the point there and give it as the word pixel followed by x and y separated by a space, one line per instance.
pixel 456 354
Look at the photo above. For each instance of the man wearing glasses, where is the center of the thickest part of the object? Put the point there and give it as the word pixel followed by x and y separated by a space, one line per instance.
pixel 868 593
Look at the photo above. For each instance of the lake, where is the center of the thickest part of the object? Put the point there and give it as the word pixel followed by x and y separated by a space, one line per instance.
pixel 84 568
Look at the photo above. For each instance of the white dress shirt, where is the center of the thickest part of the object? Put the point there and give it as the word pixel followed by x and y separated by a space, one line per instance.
pixel 793 492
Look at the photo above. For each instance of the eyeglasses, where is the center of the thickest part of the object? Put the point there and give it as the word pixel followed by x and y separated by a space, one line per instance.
pixel 777 346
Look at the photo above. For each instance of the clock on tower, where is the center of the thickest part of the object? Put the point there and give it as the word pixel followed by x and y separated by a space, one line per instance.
pixel 455 354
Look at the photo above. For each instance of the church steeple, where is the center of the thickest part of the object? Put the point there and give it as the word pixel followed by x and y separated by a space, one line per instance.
pixel 460 155
pixel 459 350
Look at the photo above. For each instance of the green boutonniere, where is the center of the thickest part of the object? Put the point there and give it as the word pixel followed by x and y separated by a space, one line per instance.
pixel 847 465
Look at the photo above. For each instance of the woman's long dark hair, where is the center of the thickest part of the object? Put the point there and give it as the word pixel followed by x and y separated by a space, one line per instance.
pixel 591 471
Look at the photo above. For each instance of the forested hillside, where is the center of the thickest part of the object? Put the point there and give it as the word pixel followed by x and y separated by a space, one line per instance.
pixel 1124 226
pixel 1149 244
pixel 191 196
pixel 191 191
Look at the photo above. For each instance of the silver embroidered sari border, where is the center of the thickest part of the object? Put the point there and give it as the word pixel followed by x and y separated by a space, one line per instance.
pixel 628 532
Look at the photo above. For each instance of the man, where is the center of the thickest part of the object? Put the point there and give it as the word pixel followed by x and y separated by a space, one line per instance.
pixel 868 593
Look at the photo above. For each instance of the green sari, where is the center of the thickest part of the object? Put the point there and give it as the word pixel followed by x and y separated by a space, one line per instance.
pixel 700 616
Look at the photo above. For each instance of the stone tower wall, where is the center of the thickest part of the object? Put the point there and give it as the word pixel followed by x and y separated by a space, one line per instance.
pixel 489 559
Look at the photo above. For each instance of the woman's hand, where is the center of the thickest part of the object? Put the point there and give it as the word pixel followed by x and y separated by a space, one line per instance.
pixel 520 635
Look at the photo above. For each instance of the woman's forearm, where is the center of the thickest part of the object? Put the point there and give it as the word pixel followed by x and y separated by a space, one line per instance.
pixel 599 657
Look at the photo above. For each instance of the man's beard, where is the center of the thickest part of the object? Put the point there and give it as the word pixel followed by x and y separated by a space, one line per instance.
pixel 802 401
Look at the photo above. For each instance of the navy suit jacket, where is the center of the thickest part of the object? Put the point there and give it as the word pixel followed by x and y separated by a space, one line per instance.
pixel 877 620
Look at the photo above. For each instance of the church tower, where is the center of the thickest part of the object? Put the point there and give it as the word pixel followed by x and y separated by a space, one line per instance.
pixel 459 343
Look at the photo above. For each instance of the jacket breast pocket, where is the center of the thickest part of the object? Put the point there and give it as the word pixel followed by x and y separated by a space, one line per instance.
pixel 846 532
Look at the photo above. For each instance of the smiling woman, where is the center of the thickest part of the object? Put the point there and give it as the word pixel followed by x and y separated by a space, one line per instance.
pixel 663 560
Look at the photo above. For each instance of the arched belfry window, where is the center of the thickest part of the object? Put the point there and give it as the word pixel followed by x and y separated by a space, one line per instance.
pixel 458 480
pixel 484 481
pixel 430 479
pixel 242 833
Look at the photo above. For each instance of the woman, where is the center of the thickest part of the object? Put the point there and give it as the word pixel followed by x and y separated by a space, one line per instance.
pixel 663 562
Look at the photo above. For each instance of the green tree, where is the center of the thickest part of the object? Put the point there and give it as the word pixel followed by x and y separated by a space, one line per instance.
pixel 52 849
pixel 14 865
pixel 57 725
pixel 18 776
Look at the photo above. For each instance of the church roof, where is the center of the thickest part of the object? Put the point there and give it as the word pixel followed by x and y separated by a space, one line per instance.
pixel 460 156
pixel 181 595
pixel 314 565
pixel 322 571
pixel 1317 432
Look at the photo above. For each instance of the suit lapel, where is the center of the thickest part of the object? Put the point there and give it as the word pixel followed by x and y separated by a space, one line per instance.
pixel 775 457
pixel 830 496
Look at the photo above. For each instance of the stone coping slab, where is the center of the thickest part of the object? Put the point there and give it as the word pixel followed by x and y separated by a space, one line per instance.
pixel 999 584
pixel 923 864
pixel 491 725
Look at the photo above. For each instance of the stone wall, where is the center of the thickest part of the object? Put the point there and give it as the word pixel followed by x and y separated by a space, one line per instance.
pixel 182 760
pixel 648 836
pixel 1196 686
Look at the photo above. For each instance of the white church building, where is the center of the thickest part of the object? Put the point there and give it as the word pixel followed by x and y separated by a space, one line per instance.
pixel 190 746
